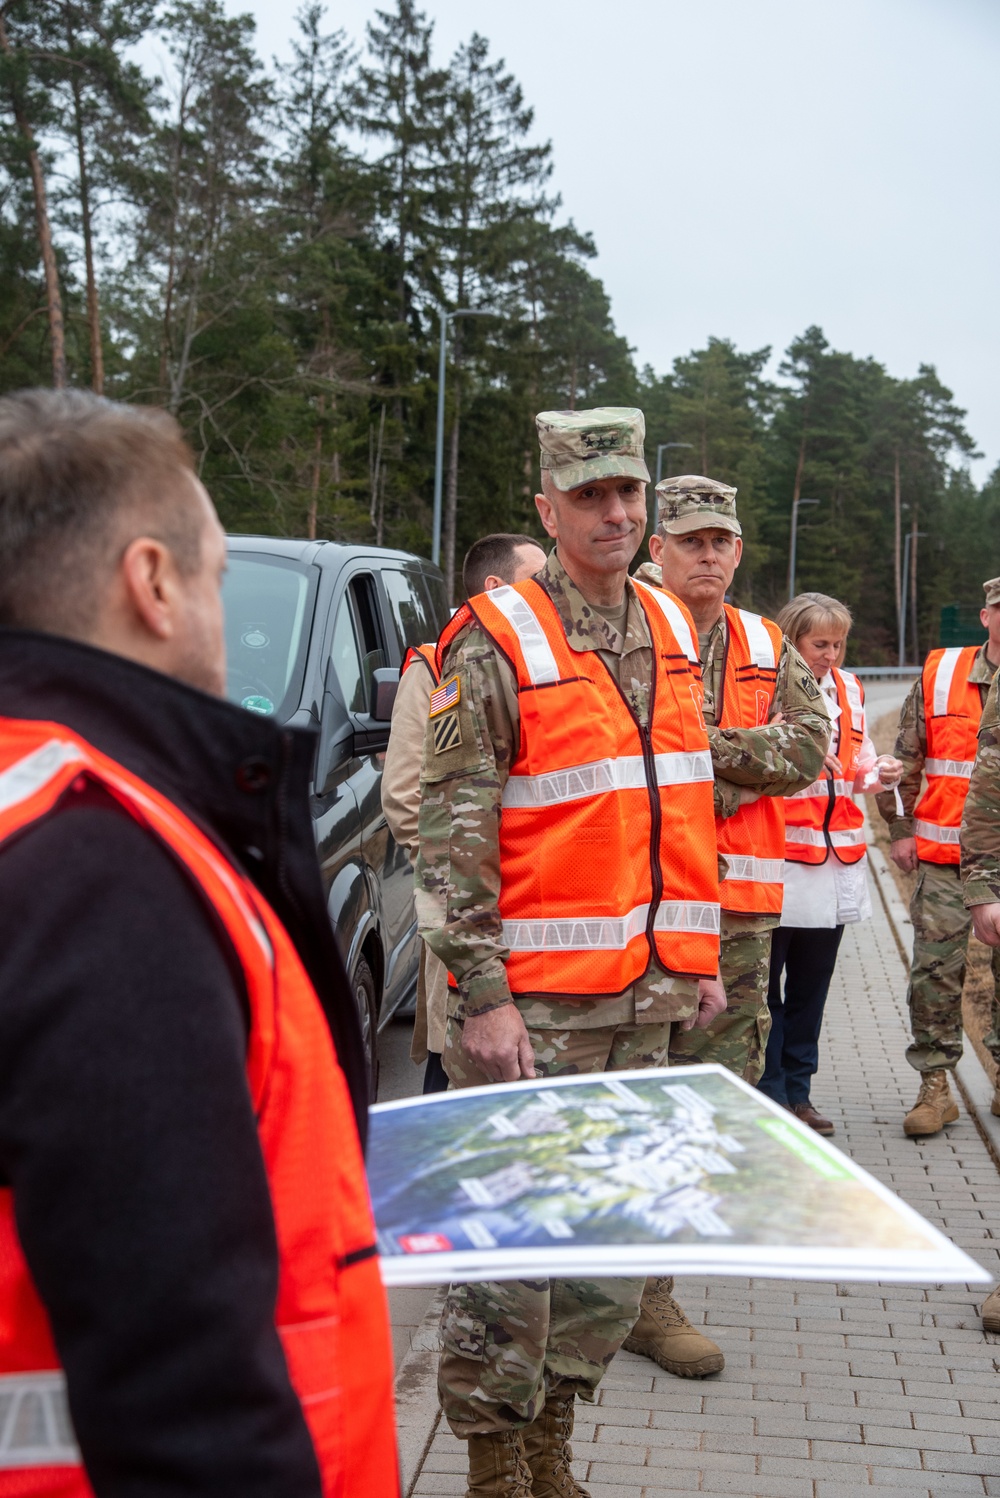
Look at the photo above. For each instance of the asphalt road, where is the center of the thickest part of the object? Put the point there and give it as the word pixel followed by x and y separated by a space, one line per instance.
pixel 397 1077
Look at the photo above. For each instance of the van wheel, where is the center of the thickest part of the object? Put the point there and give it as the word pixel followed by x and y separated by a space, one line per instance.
pixel 363 987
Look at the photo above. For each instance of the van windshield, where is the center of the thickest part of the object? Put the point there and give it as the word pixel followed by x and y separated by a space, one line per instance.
pixel 268 604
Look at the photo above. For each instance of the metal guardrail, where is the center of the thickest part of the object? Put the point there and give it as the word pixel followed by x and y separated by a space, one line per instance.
pixel 872 673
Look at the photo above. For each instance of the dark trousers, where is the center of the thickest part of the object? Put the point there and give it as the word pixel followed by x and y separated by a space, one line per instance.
pixel 808 956
pixel 435 1076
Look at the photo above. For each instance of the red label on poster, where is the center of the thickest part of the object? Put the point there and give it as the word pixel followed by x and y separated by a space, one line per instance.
pixel 425 1243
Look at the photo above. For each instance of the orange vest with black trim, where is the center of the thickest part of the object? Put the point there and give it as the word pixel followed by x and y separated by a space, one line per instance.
pixel 607 853
pixel 753 840
pixel 331 1310
pixel 824 818
pixel 425 653
pixel 953 707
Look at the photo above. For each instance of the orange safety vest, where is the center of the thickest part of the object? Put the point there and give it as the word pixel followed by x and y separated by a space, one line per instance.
pixel 753 840
pixel 606 858
pixel 331 1310
pixel 425 653
pixel 824 818
pixel 952 709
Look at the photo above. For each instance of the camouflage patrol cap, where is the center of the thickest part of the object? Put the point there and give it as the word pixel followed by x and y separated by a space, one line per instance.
pixel 578 446
pixel 992 591
pixel 693 503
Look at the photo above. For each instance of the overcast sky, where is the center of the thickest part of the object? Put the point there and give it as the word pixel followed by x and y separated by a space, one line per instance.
pixel 749 167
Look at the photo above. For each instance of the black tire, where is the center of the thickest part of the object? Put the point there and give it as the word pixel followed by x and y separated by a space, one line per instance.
pixel 363 988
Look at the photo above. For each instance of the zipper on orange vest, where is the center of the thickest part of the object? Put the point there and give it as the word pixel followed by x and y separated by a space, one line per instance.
pixel 655 827
pixel 831 801
pixel 652 790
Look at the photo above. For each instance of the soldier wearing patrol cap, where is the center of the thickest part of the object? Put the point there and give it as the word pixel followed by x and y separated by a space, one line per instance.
pixel 938 729
pixel 568 879
pixel 769 732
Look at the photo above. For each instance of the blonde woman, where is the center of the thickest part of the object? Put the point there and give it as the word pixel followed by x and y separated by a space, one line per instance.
pixel 826 875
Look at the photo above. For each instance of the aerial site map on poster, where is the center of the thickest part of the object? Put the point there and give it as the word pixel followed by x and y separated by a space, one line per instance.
pixel 634 1172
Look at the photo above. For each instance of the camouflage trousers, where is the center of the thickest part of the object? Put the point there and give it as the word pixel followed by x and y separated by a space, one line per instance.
pixel 504 1347
pixel 738 1038
pixel 941 927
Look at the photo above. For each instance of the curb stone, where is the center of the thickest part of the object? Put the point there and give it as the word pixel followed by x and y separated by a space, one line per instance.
pixel 418 1413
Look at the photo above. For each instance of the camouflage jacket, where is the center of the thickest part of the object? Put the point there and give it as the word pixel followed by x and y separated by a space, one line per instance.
pixel 773 761
pixel 981 817
pixel 462 781
pixel 911 748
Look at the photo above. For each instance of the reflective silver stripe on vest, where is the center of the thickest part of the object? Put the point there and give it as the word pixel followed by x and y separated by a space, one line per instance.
pixel 672 612
pixel 538 657
pixel 608 933
pixel 35 1428
pixel 933 832
pixel 22 780
pixel 852 690
pixel 942 680
pixel 821 788
pixel 627 773
pixel 755 870
pixel 759 639
pixel 960 768
pixel 849 837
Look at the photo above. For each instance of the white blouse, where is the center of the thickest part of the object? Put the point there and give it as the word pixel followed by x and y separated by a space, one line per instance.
pixel 833 893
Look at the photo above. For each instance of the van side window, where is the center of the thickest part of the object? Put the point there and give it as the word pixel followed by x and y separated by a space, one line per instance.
pixel 408 604
pixel 357 643
pixel 441 609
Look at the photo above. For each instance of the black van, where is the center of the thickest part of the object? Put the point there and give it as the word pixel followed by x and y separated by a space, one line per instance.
pixel 315 634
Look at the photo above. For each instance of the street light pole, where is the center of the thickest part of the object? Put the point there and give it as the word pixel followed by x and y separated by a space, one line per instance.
pixel 661 448
pixel 444 318
pixel 793 544
pixel 906 580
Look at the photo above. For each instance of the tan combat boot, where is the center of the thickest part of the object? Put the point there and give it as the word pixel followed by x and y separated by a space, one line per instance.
pixel 548 1452
pixel 664 1334
pixel 934 1107
pixel 497 1468
pixel 991 1311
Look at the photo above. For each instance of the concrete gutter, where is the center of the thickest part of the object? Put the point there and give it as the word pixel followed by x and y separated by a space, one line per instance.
pixel 418 1413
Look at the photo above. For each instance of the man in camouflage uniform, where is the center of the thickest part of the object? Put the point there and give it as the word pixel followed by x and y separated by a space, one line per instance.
pixel 490 562
pixel 515 1355
pixel 941 922
pixel 696 550
pixel 980 874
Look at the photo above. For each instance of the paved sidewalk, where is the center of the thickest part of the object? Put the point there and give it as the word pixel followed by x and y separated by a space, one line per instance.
pixel 829 1391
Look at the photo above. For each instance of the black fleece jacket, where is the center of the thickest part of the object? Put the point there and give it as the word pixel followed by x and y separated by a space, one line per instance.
pixel 126 1126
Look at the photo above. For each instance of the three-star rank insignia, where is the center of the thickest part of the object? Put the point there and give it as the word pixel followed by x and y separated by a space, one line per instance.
pixel 444 716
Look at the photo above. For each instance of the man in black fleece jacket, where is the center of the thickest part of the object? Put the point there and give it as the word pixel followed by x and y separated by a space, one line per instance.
pixel 127 1130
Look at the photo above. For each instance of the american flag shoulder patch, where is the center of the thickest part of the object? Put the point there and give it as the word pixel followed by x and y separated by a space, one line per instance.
pixel 446 696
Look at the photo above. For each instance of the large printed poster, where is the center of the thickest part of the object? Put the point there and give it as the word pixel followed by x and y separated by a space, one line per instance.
pixel 687 1170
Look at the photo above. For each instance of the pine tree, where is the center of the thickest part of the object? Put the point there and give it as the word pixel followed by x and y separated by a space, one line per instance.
pixel 104 102
pixel 399 98
pixel 28 103
pixel 489 181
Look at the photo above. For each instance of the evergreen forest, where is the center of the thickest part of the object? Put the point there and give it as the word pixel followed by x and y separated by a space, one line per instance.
pixel 263 249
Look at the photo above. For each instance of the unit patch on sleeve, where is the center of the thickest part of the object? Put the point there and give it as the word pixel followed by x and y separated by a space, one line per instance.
pixel 447 731
pixel 446 696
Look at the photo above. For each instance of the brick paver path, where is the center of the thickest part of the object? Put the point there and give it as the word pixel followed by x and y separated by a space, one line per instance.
pixel 829 1391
